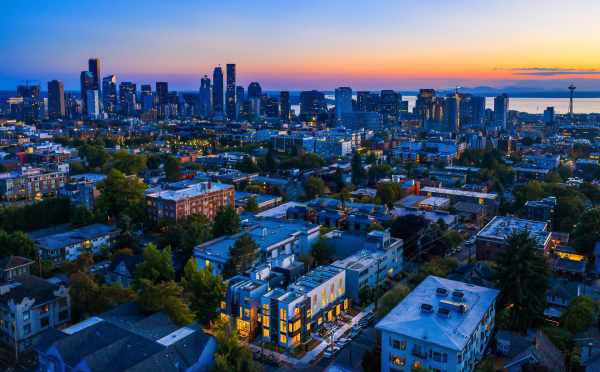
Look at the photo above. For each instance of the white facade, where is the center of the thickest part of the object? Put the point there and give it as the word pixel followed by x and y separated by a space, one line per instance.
pixel 443 325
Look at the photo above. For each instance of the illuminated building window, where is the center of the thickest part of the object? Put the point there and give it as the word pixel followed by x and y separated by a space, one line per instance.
pixel 296 311
pixel 290 327
pixel 308 313
pixel 297 325
pixel 282 326
pixel 266 332
pixel 337 309
pixel 320 320
pixel 296 339
pixel 346 304
pixel 308 327
pixel 265 309
pixel 397 360
pixel 283 314
pixel 265 319
pixel 223 305
pixel 283 339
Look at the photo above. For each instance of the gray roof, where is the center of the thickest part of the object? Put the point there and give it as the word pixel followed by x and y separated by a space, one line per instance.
pixel 75 236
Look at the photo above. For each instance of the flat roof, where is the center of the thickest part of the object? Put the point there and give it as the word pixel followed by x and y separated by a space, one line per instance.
pixel 501 227
pixel 458 192
pixel 75 236
pixel 189 191
pixel 452 332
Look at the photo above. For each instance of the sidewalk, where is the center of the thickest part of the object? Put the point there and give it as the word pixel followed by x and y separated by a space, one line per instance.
pixel 312 354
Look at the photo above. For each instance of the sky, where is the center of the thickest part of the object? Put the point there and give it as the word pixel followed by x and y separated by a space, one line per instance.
pixel 320 44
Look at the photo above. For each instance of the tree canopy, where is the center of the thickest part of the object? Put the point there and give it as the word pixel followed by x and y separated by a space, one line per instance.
pixel 241 256
pixel 227 222
pixel 206 291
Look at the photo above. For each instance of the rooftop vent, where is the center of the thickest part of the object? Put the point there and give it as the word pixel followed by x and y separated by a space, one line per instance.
pixel 443 312
pixel 442 292
pixel 458 295
pixel 426 308
pixel 456 306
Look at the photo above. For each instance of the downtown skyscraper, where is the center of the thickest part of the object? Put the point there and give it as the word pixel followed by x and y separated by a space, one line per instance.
pixel 343 102
pixel 501 111
pixel 230 92
pixel 285 106
pixel 217 91
pixel 162 98
pixel 56 99
pixel 109 94
pixel 86 80
pixel 204 107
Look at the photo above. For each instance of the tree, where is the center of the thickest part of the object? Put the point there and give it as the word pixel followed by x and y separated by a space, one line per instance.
pixel 227 222
pixel 157 266
pixel 358 171
pixel 580 314
pixel 128 163
pixel 94 154
pixel 120 195
pixel 522 278
pixel 153 162
pixel 587 231
pixel 187 233
pixel 17 244
pixel 172 168
pixel 390 192
pixel 378 171
pixel 409 228
pixel 241 256
pixel 164 296
pixel 231 354
pixel 322 252
pixel 81 216
pixel 88 297
pixel 206 291
pixel 251 204
pixel 390 299
pixel 313 187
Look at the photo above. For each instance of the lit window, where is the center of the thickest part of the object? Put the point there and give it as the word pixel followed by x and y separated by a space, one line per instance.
pixel 397 360
pixel 265 332
pixel 265 319
pixel 296 311
pixel 283 339
pixel 282 314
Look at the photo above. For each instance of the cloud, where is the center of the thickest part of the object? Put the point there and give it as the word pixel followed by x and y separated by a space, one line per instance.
pixel 550 71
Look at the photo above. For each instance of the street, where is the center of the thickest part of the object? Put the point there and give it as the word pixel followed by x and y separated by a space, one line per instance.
pixel 350 357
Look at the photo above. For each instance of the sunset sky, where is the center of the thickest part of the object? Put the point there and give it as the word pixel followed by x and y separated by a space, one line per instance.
pixel 401 44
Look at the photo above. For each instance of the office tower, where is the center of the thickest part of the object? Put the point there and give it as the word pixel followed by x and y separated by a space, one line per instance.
pixel 501 110
pixel 94 69
pixel 93 104
pixel 240 96
pixel 174 105
pixel 390 106
pixel 147 98
pixel 204 97
pixel 217 91
pixel 452 112
pixel 255 98
pixel 86 80
pixel 477 110
pixel 56 99
pixel 271 106
pixel 162 98
pixel 127 98
pixel 285 105
pixel 424 107
pixel 109 94
pixel 343 102
pixel 312 104
pixel 362 97
pixel 230 92
pixel 549 115
pixel 32 108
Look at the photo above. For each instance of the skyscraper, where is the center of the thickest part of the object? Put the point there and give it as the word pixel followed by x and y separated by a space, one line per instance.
pixel 93 104
pixel 109 94
pixel 147 98
pixel 217 91
pixel 162 98
pixel 255 98
pixel 271 106
pixel 343 102
pixel 285 105
pixel 204 97
pixel 312 104
pixel 240 97
pixel 452 112
pixel 127 101
pixel 362 98
pixel 501 110
pixel 94 69
pixel 549 115
pixel 390 106
pixel 86 80
pixel 56 99
pixel 230 92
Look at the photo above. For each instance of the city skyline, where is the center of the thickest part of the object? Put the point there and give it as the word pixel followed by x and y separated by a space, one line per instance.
pixel 381 45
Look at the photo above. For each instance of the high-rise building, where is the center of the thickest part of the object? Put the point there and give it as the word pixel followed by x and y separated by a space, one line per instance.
pixel 56 99
pixel 240 97
pixel 204 97
pixel 162 98
pixel 86 80
pixel 271 106
pixel 93 104
pixel 109 94
pixel 362 97
pixel 424 107
pixel 32 107
pixel 94 69
pixel 549 115
pixel 230 92
pixel 312 105
pixel 127 98
pixel 390 106
pixel 285 105
pixel 501 110
pixel 343 102
pixel 217 91
pixel 147 98
pixel 255 98
pixel 452 112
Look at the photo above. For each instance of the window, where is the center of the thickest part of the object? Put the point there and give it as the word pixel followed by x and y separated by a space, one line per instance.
pixel 282 326
pixel 265 320
pixel 282 314
pixel 400 345
pixel 283 339
pixel 26 315
pixel 397 360
pixel 296 311
pixel 265 332
pixel 437 356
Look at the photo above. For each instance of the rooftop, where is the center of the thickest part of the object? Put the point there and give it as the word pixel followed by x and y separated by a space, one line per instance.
pixel 458 192
pixel 74 236
pixel 501 227
pixel 186 191
pixel 452 330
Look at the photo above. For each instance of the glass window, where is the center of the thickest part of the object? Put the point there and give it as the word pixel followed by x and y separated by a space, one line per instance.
pixel 26 315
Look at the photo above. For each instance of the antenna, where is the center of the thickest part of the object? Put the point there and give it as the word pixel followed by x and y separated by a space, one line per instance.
pixel 571 92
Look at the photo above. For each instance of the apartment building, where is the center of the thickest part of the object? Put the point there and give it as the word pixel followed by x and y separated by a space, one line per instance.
pixel 30 183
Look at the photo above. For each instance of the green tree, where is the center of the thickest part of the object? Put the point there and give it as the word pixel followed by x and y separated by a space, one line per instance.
pixel 17 244
pixel 522 278
pixel 157 265
pixel 323 252
pixel 128 163
pixel 231 354
pixel 164 296
pixel 227 222
pixel 389 193
pixel 251 204
pixel 241 256
pixel 378 171
pixel 313 187
pixel 580 315
pixel 587 231
pixel 206 291
pixel 94 154
pixel 81 216
pixel 120 195
pixel 88 297
pixel 187 233
pixel 172 168
pixel 153 162
pixel 390 299
pixel 358 171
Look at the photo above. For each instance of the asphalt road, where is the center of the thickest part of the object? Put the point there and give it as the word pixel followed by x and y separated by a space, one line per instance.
pixel 350 357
